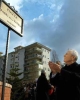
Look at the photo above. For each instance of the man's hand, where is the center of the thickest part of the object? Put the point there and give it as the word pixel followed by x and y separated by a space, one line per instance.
pixel 52 86
pixel 54 67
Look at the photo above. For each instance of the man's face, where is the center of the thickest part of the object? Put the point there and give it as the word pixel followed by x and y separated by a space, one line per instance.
pixel 68 57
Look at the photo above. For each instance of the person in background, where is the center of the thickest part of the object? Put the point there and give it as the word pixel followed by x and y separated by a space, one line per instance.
pixel 68 79
pixel 43 87
pixel 52 79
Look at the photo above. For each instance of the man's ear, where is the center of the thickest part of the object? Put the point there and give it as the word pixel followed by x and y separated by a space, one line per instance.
pixel 73 58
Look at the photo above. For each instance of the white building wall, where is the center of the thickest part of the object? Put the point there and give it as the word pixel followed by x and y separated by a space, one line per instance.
pixel 16 59
pixel 46 59
pixel 10 63
pixel 21 61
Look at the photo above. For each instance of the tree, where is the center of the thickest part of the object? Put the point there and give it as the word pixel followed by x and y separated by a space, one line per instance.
pixel 55 59
pixel 54 56
pixel 17 86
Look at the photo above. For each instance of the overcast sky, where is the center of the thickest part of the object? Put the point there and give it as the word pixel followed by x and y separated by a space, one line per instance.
pixel 53 23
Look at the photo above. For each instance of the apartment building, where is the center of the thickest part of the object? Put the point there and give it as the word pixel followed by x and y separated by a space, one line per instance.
pixel 15 60
pixel 30 59
pixel 37 57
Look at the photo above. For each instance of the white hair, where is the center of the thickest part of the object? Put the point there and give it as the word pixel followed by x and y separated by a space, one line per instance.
pixel 74 53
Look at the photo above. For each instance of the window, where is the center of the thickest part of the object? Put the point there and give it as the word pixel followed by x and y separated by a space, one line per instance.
pixel 12 66
pixel 48 69
pixel 43 62
pixel 11 55
pixel 16 66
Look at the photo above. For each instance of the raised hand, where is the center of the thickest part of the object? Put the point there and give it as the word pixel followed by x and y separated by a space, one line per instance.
pixel 54 67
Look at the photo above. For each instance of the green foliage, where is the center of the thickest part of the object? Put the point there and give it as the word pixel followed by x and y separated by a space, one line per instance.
pixel 16 82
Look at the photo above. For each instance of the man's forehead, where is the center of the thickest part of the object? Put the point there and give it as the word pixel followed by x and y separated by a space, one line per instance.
pixel 69 52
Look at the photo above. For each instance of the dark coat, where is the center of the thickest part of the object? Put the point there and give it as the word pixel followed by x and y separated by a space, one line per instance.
pixel 42 88
pixel 68 83
pixel 53 79
pixel 52 82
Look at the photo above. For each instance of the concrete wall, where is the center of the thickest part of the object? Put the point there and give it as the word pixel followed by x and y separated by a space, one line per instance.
pixel 7 91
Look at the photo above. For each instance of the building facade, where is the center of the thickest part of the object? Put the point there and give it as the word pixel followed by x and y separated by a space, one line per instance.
pixel 30 60
pixel 37 57
pixel 16 60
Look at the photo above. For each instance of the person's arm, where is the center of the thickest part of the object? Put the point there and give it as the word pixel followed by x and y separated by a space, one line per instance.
pixel 66 75
pixel 73 77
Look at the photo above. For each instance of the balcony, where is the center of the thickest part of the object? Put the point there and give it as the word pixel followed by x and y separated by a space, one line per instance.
pixel 32 75
pixel 38 49
pixel 30 69
pixel 38 62
pixel 33 63
pixel 33 50
pixel 26 72
pixel 34 57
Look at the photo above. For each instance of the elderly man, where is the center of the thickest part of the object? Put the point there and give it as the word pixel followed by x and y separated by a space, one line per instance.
pixel 68 77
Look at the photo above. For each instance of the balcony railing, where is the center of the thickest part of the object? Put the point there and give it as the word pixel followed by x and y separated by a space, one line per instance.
pixel 34 56
pixel 33 63
pixel 38 49
pixel 33 50
pixel 38 62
